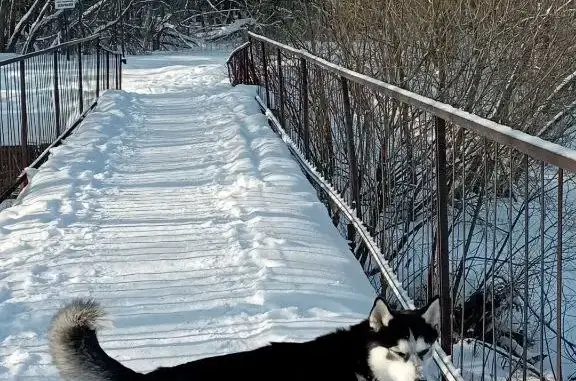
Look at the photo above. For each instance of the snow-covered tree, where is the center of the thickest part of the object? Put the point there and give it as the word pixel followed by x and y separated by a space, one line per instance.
pixel 139 25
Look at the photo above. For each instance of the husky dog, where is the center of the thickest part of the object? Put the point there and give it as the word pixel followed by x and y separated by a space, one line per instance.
pixel 390 345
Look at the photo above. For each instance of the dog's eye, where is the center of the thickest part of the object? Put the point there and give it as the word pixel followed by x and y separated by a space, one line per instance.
pixel 423 353
pixel 402 355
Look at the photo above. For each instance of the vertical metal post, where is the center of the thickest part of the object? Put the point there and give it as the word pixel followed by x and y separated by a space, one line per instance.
pixel 80 84
pixel 265 68
pixel 559 276
pixel 23 118
pixel 281 88
pixel 252 66
pixel 245 66
pixel 526 287
pixel 232 79
pixel 120 63
pixel 57 95
pixel 305 111
pixel 98 52
pixel 107 70
pixel 442 235
pixel 117 71
pixel 354 186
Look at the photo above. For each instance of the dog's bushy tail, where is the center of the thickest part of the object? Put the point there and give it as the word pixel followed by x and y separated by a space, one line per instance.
pixel 75 349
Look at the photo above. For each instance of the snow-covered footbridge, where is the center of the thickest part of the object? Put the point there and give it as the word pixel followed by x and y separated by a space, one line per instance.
pixel 209 218
pixel 177 207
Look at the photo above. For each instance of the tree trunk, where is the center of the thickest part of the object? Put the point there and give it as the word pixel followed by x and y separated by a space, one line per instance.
pixel 3 24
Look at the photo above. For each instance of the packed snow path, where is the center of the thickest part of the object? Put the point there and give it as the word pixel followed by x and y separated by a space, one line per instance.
pixel 177 207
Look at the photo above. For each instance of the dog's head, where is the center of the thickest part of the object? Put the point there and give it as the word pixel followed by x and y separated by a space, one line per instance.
pixel 401 340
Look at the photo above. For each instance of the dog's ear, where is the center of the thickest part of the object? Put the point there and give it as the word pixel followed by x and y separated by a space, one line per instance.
pixel 380 315
pixel 431 312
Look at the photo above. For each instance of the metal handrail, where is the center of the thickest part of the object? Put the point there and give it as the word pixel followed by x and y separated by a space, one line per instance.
pixel 535 147
pixel 48 50
pixel 263 62
pixel 100 71
pixel 442 360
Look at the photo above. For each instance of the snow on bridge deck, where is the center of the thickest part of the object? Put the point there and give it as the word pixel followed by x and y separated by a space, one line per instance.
pixel 178 208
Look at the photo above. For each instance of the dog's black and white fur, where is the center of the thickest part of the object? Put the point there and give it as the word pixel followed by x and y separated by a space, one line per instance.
pixel 388 346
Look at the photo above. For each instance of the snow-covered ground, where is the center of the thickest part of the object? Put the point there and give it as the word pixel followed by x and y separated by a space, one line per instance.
pixel 178 208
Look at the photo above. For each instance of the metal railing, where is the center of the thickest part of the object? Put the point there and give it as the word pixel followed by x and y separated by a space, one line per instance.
pixel 442 201
pixel 43 96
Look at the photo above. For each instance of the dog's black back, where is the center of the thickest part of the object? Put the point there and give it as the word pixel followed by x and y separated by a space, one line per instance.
pixel 77 354
pixel 320 359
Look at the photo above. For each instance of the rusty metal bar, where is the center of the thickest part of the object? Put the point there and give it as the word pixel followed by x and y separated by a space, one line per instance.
pixel 23 116
pixel 98 50
pixel 117 72
pixel 265 69
pixel 305 107
pixel 280 87
pixel 246 65
pixel 559 276
pixel 442 235
pixel 107 70
pixel 120 63
pixel 353 177
pixel 80 80
pixel 57 94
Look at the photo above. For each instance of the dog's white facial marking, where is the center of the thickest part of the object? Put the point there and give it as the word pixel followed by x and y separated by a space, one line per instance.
pixel 386 369
pixel 423 349
pixel 403 346
pixel 402 362
pixel 421 345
